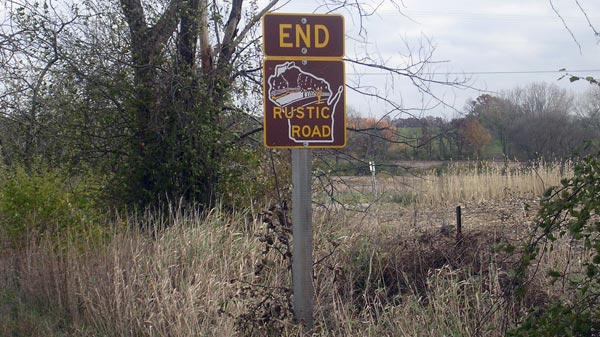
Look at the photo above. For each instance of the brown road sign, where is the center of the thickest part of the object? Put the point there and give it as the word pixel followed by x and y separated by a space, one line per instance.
pixel 304 103
pixel 293 36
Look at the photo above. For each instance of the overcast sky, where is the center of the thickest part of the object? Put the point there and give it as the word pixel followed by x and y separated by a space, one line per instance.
pixel 499 44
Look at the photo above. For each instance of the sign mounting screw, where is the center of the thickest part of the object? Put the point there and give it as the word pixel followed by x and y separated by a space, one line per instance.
pixel 304 21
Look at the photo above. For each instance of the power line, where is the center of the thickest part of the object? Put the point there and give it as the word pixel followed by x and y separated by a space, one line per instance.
pixel 510 72
pixel 486 15
pixel 477 15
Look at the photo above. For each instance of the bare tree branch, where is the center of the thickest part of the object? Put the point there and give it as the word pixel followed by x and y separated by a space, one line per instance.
pixel 587 18
pixel 565 25
pixel 255 19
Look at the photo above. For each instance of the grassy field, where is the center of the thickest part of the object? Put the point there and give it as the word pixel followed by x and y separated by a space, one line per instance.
pixel 385 265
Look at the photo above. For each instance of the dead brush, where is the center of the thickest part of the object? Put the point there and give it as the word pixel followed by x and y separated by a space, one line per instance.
pixel 379 271
pixel 264 298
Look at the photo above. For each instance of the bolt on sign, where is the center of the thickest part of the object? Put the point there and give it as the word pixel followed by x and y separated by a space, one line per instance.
pixel 303 81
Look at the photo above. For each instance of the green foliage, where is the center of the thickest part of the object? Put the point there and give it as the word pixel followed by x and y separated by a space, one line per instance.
pixel 573 78
pixel 570 210
pixel 47 204
pixel 559 320
pixel 247 177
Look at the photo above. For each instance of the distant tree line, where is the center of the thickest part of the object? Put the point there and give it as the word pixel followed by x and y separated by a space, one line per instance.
pixel 537 121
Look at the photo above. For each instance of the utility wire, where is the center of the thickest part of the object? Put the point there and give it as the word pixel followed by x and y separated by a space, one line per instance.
pixel 485 16
pixel 478 15
pixel 490 72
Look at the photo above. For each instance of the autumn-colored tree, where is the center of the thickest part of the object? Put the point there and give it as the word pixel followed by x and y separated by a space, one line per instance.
pixel 497 115
pixel 471 137
pixel 370 138
pixel 477 136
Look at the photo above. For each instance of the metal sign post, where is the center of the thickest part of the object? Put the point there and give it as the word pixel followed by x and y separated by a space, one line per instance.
pixel 373 178
pixel 304 107
pixel 302 230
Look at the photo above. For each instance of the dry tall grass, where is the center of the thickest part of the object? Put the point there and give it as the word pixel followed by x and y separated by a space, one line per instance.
pixel 137 285
pixel 200 276
pixel 491 183
pixel 458 183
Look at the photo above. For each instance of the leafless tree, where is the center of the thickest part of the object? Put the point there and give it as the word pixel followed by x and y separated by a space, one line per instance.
pixel 588 109
pixel 544 121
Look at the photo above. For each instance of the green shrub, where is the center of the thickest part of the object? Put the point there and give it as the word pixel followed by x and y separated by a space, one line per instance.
pixel 247 179
pixel 559 320
pixel 47 204
pixel 570 211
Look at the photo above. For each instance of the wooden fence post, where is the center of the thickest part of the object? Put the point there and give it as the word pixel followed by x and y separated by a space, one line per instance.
pixel 458 225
